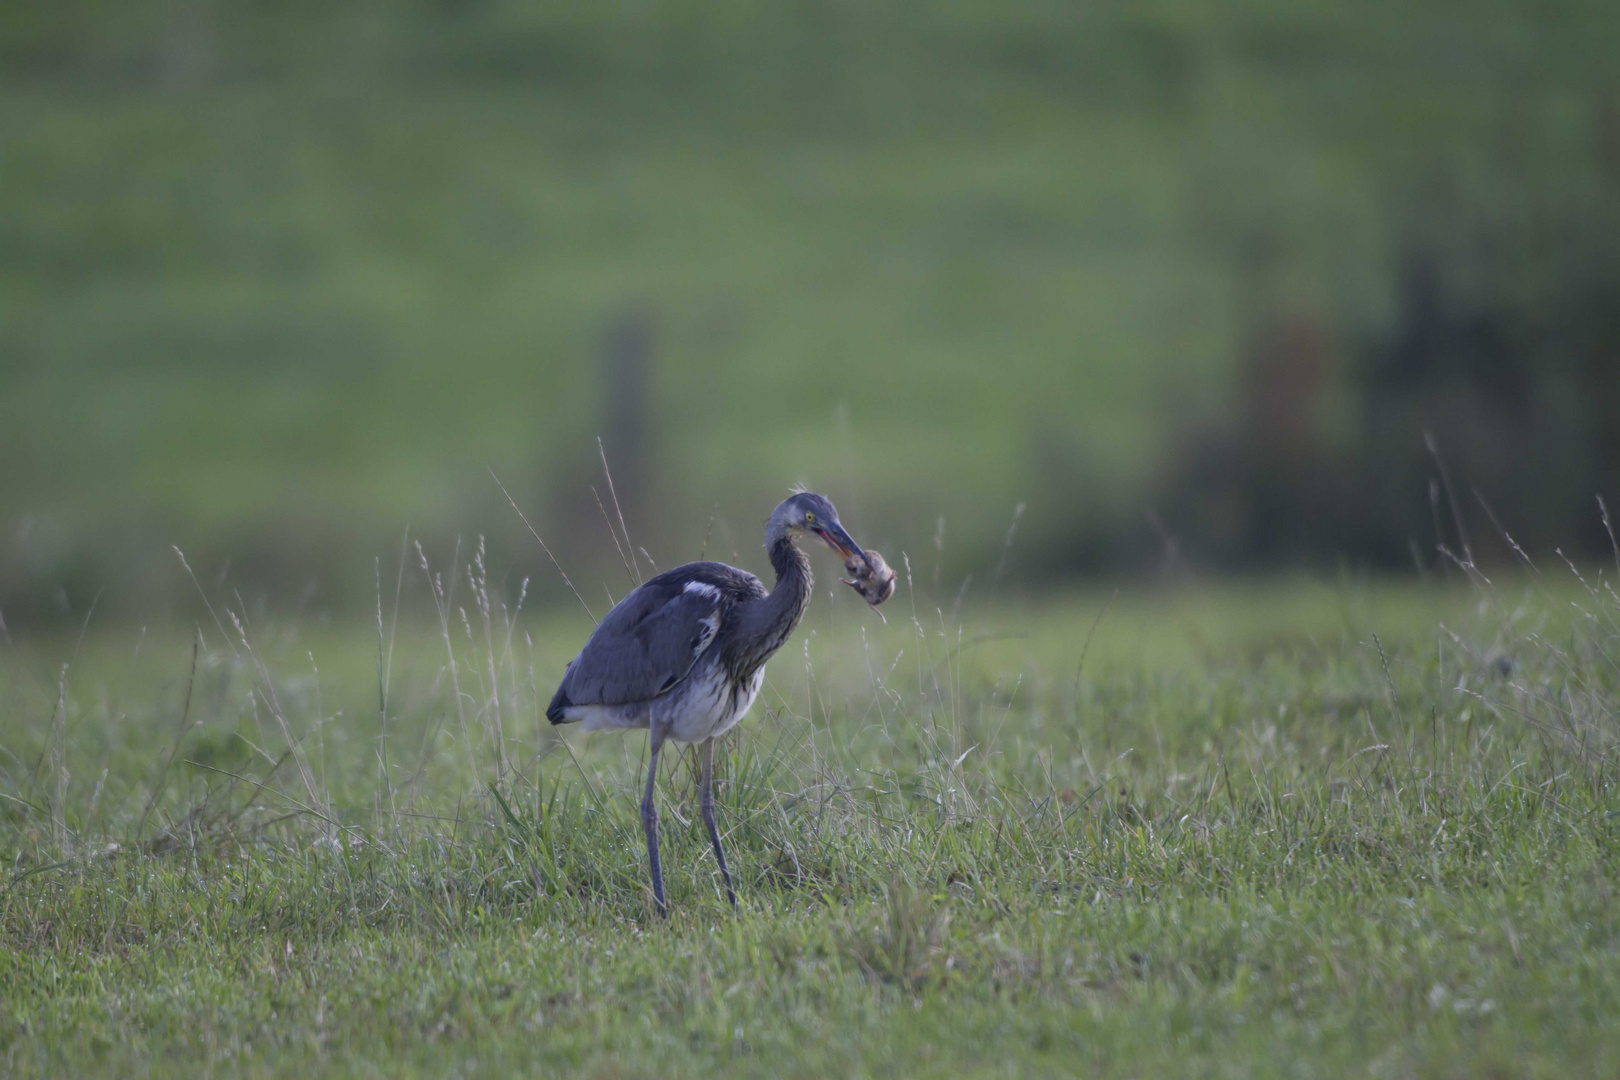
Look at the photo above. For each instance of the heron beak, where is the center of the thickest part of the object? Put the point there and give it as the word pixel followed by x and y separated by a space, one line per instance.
pixel 839 540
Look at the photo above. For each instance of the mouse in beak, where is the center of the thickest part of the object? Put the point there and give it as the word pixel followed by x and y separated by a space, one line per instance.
pixel 870 576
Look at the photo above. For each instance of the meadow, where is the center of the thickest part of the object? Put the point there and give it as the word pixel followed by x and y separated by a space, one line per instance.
pixel 1143 287
pixel 1288 828
pixel 276 279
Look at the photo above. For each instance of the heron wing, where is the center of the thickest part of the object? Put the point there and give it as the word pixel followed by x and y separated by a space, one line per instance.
pixel 645 645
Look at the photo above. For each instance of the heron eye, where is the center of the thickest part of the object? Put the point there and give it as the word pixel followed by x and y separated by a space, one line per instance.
pixel 808 516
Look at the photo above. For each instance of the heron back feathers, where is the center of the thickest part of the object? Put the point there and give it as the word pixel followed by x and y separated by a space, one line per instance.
pixel 651 639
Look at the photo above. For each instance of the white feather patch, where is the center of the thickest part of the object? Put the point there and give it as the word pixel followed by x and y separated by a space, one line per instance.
pixel 711 626
pixel 703 588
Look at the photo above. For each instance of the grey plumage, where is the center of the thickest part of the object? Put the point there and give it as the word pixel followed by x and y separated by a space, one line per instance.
pixel 653 637
pixel 684 654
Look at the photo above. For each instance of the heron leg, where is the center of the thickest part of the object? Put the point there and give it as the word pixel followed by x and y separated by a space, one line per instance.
pixel 706 806
pixel 649 822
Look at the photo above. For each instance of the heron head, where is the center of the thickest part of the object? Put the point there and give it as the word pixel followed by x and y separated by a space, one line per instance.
pixel 805 511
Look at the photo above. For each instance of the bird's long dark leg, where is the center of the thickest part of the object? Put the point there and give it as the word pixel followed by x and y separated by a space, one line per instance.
pixel 706 806
pixel 649 822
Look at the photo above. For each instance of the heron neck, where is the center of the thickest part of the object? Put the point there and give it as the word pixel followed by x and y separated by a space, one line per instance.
pixel 767 623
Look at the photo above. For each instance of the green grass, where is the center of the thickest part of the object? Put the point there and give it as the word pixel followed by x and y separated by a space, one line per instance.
pixel 1271 830
pixel 277 270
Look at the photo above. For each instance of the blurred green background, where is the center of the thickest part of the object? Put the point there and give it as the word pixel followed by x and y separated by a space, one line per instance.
pixel 1188 282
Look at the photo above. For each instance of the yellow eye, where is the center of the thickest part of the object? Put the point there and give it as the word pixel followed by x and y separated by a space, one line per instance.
pixel 809 517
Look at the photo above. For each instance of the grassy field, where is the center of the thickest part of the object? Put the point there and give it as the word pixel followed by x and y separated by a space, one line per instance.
pixel 1292 829
pixel 277 278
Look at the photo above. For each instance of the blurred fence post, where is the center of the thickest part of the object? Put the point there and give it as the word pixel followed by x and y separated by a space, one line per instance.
pixel 627 363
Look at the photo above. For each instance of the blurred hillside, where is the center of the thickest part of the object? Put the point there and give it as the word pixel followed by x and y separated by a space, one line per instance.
pixel 278 280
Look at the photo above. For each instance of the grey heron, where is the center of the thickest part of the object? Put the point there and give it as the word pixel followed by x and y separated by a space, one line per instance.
pixel 683 655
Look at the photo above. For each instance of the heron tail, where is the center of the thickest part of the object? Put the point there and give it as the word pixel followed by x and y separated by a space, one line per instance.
pixel 559 704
